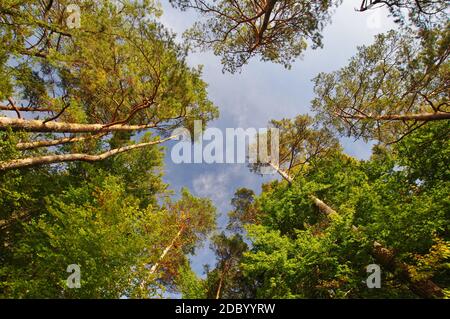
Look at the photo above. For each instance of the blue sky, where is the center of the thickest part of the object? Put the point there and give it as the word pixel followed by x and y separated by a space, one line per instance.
pixel 261 92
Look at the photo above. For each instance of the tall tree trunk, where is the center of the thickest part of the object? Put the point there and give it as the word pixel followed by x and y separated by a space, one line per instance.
pixel 424 288
pixel 52 159
pixel 324 208
pixel 421 117
pixel 270 5
pixel 64 127
pixel 222 277
pixel 385 257
pixel 166 251
pixel 219 289
pixel 163 255
pixel 282 173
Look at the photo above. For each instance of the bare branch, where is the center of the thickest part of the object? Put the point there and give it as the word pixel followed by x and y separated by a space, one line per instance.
pixel 66 140
pixel 422 117
pixel 14 107
pixel 62 127
pixel 52 159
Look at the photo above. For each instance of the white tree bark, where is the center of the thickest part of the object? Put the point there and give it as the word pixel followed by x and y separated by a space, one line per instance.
pixel 64 127
pixel 52 159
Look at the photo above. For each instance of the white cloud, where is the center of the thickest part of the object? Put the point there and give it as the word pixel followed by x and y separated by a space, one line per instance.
pixel 211 185
pixel 218 186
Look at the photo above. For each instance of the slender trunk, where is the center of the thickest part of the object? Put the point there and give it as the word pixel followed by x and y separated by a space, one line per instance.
pixel 268 12
pixel 166 251
pixel 222 276
pixel 219 289
pixel 386 257
pixel 320 204
pixel 425 288
pixel 324 208
pixel 282 173
pixel 63 127
pixel 52 159
pixel 163 255
pixel 422 117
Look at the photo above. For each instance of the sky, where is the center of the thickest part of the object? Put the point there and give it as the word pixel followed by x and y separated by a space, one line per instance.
pixel 261 92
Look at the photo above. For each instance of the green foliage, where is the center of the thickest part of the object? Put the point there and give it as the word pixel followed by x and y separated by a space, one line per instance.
pixel 243 211
pixel 403 73
pixel 275 31
pixel 299 252
pixel 190 286
pixel 425 155
pixel 106 218
pixel 422 13
pixel 117 220
pixel 113 218
pixel 105 234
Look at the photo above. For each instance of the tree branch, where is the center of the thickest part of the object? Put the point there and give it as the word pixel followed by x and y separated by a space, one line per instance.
pixel 437 116
pixel 66 140
pixel 62 127
pixel 52 159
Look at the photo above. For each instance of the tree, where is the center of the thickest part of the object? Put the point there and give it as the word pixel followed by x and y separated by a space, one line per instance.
pixel 188 221
pixel 92 98
pixel 103 228
pixel 189 284
pixel 104 232
pixel 226 279
pixel 278 30
pixel 243 211
pixel 274 30
pixel 301 142
pixel 423 13
pixel 380 215
pixel 121 71
pixel 389 89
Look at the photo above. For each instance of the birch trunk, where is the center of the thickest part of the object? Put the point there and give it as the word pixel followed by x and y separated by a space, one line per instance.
pixel 422 117
pixel 52 159
pixel 219 289
pixel 163 255
pixel 166 251
pixel 64 127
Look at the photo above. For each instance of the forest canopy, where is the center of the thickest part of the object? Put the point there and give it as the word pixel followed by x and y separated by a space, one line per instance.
pixel 87 108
